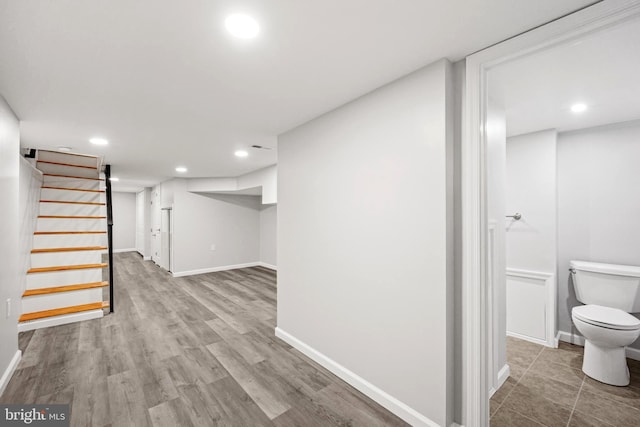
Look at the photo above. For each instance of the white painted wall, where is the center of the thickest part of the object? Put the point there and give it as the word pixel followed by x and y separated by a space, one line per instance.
pixel 496 209
pixel 30 183
pixel 143 223
pixel 459 70
pixel 268 235
pixel 124 221
pixel 231 223
pixel 11 278
pixel 140 225
pixel 531 253
pixel 598 203
pixel 365 277
pixel 531 190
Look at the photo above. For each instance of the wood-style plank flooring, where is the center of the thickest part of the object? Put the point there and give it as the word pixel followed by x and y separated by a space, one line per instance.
pixel 193 351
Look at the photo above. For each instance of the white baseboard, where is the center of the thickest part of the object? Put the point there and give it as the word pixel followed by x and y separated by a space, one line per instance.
pixel 577 339
pixel 402 410
pixel 60 320
pixel 146 258
pixel 117 251
pixel 13 365
pixel 503 374
pixel 269 266
pixel 214 269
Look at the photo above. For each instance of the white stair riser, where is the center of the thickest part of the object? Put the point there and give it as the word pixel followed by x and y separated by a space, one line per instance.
pixel 71 159
pixel 71 209
pixel 72 196
pixel 85 184
pixel 43 241
pixel 67 170
pixel 62 278
pixel 71 224
pixel 59 320
pixel 50 259
pixel 61 299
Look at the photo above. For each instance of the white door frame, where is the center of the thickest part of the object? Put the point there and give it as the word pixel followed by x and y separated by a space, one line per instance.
pixel 475 316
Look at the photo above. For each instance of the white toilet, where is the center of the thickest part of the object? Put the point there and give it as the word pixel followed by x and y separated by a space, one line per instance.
pixel 610 293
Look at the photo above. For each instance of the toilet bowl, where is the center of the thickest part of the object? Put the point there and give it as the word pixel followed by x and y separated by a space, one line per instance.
pixel 607 331
pixel 610 292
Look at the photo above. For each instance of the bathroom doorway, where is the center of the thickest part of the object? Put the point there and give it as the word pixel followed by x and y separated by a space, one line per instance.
pixel 513 158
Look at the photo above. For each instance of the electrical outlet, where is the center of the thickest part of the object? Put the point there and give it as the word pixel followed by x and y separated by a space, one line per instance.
pixel 8 307
pixel 213 247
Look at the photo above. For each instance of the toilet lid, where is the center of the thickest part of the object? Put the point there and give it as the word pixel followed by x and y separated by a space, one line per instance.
pixel 606 317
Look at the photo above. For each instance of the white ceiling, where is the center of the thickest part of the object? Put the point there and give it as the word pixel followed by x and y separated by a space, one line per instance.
pixel 167 86
pixel 601 71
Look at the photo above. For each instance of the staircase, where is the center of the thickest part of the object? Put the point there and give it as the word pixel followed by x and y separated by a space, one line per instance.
pixel 66 280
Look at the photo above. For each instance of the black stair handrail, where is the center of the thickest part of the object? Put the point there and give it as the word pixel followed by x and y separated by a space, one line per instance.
pixel 107 178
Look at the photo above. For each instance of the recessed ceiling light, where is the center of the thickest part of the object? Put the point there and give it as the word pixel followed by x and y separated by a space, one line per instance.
pixel 181 169
pixel 579 108
pixel 241 153
pixel 242 26
pixel 64 149
pixel 98 141
pixel 113 178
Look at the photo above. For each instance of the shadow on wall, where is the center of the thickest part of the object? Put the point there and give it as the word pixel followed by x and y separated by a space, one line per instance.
pixel 571 302
pixel 250 202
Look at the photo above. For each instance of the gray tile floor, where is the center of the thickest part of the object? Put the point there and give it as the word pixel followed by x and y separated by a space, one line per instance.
pixel 547 387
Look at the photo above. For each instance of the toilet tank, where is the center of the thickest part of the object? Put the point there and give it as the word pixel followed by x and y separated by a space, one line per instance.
pixel 610 285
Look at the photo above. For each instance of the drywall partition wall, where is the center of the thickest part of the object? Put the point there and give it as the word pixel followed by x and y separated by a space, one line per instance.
pixel 213 232
pixel 459 70
pixel 143 223
pixel 140 222
pixel 10 276
pixel 268 236
pixel 598 204
pixel 30 184
pixel 531 191
pixel 531 241
pixel 496 209
pixel 363 248
pixel 124 222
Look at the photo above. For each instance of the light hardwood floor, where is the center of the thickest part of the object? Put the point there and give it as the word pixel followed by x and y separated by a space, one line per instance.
pixel 198 350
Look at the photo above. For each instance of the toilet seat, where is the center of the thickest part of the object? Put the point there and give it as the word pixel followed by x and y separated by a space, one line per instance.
pixel 606 317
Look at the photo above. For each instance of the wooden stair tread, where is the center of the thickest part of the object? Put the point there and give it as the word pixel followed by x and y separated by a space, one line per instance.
pixel 71 189
pixel 69 232
pixel 66 267
pixel 72 249
pixel 74 177
pixel 66 288
pixel 72 216
pixel 73 203
pixel 67 164
pixel 63 310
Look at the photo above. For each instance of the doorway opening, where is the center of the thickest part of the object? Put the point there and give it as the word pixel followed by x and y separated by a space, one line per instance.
pixel 484 249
